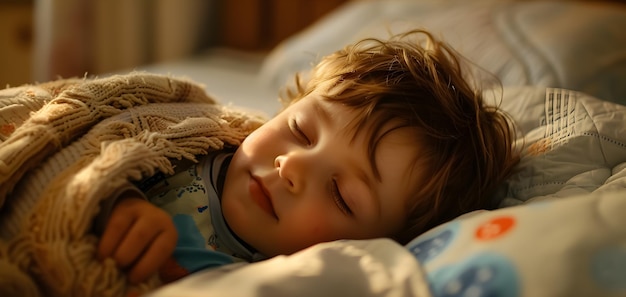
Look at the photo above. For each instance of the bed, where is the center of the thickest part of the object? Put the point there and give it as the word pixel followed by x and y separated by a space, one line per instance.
pixel 561 226
pixel 561 230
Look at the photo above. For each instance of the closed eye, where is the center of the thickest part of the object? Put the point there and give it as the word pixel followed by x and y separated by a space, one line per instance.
pixel 336 194
pixel 297 131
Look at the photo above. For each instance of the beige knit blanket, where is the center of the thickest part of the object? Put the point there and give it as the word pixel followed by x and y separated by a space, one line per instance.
pixel 66 145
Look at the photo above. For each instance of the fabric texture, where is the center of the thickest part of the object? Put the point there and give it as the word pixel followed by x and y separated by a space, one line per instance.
pixel 185 197
pixel 66 145
pixel 560 231
pixel 372 268
pixel 191 197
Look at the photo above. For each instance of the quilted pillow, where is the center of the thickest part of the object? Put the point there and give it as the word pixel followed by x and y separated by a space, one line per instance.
pixel 561 230
pixel 572 144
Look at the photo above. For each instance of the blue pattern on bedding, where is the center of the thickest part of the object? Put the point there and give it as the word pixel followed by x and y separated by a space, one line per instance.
pixel 482 275
pixel 434 242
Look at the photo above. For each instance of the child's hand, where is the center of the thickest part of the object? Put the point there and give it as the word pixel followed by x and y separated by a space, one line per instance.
pixel 139 236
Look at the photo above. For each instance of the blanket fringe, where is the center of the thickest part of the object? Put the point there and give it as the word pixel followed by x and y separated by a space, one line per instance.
pixel 90 138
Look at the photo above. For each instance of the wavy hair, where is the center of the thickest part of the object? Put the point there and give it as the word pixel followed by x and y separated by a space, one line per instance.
pixel 414 80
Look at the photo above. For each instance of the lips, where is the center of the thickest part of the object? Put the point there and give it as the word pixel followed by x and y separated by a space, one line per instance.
pixel 261 196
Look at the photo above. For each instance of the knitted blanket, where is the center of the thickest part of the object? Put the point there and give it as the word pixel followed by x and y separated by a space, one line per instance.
pixel 66 145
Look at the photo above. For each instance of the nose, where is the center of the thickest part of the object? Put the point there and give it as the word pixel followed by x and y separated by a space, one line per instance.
pixel 290 169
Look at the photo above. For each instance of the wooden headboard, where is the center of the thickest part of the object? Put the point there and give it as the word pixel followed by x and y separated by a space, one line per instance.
pixel 261 24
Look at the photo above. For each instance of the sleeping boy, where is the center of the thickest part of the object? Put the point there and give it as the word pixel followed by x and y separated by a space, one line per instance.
pixel 386 138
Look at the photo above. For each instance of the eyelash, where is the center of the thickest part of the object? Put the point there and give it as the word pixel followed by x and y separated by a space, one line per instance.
pixel 299 133
pixel 336 194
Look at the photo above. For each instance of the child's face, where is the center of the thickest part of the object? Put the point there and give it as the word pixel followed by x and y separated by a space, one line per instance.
pixel 303 179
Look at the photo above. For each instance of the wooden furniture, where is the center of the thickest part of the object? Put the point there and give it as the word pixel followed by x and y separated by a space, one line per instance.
pixel 16 18
pixel 261 24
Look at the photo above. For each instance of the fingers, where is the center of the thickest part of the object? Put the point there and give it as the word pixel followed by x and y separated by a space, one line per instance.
pixel 140 237
pixel 155 255
pixel 135 243
pixel 118 225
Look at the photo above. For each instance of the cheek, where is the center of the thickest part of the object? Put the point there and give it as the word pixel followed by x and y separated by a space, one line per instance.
pixel 261 140
pixel 315 224
pixel 255 139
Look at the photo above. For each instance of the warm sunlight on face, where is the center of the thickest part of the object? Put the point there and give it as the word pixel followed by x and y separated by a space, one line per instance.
pixel 302 179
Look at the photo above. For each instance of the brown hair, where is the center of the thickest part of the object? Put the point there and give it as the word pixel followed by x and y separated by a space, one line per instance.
pixel 467 146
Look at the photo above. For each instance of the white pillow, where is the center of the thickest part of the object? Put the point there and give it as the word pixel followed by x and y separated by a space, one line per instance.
pixel 574 45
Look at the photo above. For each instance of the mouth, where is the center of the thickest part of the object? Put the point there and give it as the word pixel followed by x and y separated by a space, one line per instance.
pixel 261 196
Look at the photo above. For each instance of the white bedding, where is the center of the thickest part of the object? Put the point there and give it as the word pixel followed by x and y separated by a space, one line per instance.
pixel 342 268
pixel 561 230
pixel 569 241
pixel 231 77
